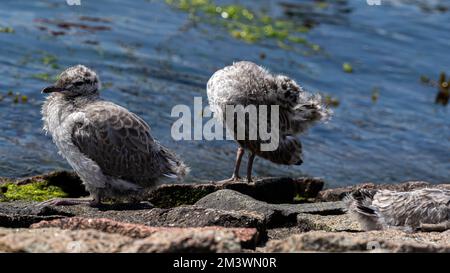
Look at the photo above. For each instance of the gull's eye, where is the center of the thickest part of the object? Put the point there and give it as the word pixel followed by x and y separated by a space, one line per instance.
pixel 78 84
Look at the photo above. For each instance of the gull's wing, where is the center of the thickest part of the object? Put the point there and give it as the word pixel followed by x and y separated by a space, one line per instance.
pixel 413 208
pixel 120 143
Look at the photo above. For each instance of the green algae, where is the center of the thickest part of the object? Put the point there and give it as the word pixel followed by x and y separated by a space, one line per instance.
pixel 300 199
pixel 24 98
pixel 347 67
pixel 42 76
pixel 244 23
pixel 442 85
pixel 425 79
pixel 331 101
pixel 50 60
pixel 47 62
pixel 14 97
pixel 6 30
pixel 39 191
pixel 375 94
pixel 46 77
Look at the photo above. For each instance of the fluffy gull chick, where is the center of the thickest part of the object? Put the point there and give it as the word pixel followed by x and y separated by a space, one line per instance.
pixel 423 209
pixel 109 147
pixel 245 83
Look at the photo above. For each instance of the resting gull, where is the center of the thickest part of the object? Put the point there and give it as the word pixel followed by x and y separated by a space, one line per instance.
pixel 422 209
pixel 245 83
pixel 109 147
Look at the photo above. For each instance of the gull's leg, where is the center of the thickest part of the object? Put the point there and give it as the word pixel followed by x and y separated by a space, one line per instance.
pixel 251 158
pixel 237 165
pixel 96 201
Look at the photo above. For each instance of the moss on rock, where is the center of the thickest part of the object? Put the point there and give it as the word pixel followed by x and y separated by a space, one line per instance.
pixel 39 191
pixel 42 187
pixel 168 196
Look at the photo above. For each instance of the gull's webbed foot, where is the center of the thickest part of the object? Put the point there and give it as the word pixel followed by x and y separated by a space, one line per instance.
pixel 229 180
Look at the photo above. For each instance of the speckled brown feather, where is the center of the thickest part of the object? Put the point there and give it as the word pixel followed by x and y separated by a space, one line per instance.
pixel 121 144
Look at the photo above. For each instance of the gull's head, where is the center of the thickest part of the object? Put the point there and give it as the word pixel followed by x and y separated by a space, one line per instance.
pixel 285 83
pixel 76 81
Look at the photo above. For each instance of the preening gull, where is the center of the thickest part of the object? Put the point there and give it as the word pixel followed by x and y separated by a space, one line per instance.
pixel 245 83
pixel 109 147
pixel 423 209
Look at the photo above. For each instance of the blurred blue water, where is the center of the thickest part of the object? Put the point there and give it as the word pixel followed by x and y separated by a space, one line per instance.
pixel 151 58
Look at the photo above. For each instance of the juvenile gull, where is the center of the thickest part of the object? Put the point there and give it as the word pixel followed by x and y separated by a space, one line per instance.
pixel 427 208
pixel 109 147
pixel 245 83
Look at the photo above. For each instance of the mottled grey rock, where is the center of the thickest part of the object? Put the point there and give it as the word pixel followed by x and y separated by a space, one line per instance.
pixel 247 237
pixel 57 240
pixel 309 222
pixel 186 216
pixel 22 221
pixel 279 233
pixel 373 241
pixel 173 195
pixel 74 241
pixel 278 190
pixel 330 223
pixel 275 214
pixel 269 189
pixel 21 214
pixel 183 216
pixel 186 241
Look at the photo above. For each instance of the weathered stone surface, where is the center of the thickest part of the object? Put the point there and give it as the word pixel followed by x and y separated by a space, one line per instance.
pixel 330 223
pixel 275 214
pixel 22 221
pixel 57 240
pixel 183 216
pixel 279 233
pixel 186 241
pixel 100 224
pixel 375 241
pixel 339 193
pixel 165 241
pixel 272 190
pixel 226 217
pixel 278 190
pixel 21 214
pixel 186 216
pixel 173 195
pixel 247 237
pixel 310 222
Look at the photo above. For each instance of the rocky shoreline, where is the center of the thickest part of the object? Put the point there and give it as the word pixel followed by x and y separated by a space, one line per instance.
pixel 269 215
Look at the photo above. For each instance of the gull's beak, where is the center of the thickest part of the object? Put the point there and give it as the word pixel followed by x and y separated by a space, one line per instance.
pixel 51 89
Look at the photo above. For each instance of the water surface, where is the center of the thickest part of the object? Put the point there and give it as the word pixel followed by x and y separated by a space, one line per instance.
pixel 151 56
